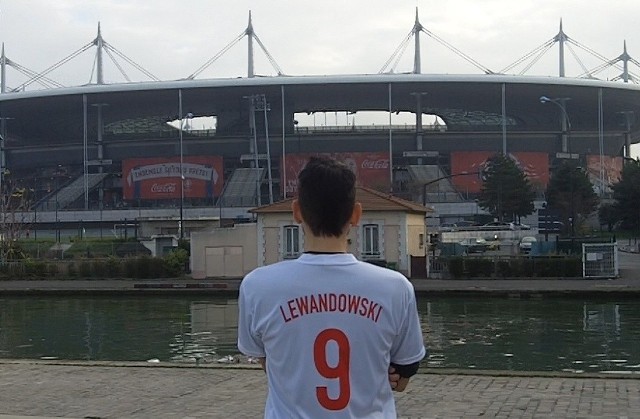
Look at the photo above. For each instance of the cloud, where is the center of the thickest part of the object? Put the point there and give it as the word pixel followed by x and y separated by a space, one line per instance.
pixel 172 39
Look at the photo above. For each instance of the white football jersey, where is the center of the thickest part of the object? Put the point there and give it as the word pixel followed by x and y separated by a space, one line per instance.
pixel 329 325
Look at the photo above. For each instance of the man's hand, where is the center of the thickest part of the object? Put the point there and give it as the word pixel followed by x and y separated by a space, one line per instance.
pixel 396 382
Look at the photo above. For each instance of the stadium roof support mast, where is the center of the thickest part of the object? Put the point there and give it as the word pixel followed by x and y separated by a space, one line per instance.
pixel 417 28
pixel 249 33
pixel 3 71
pixel 560 38
pixel 393 60
pixel 102 46
pixel 99 43
pixel 625 57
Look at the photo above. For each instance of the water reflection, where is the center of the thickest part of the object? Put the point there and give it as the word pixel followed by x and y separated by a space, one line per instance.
pixel 118 328
pixel 210 333
pixel 481 333
pixel 551 334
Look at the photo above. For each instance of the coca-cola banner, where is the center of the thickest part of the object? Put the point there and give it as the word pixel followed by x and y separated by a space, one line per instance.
pixel 371 169
pixel 159 178
pixel 534 165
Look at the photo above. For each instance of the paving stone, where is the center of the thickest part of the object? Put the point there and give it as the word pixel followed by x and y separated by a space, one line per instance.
pixel 138 390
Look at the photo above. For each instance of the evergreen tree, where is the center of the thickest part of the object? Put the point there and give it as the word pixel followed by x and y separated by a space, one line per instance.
pixel 626 194
pixel 570 194
pixel 506 192
pixel 608 215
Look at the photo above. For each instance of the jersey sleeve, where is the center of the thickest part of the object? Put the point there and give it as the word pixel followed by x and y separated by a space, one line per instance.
pixel 249 340
pixel 408 346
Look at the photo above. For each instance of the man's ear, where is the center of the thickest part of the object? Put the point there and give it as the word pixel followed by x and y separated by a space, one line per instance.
pixel 356 214
pixel 297 214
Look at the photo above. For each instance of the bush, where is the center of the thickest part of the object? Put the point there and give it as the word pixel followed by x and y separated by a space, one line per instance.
pixel 130 268
pixel 503 269
pixel 84 269
pixel 456 267
pixel 113 267
pixel 185 245
pixel 517 267
pixel 35 268
pixel 52 269
pixel 132 248
pixel 551 267
pixel 98 268
pixel 572 267
pixel 144 267
pixel 175 262
pixel 479 268
pixel 72 271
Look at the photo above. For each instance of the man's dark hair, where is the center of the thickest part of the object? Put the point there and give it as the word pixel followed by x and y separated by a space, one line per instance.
pixel 327 195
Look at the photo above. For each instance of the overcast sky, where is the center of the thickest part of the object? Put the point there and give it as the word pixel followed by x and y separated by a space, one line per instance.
pixel 172 39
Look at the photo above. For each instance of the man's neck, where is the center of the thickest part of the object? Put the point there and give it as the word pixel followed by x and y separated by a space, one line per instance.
pixel 325 244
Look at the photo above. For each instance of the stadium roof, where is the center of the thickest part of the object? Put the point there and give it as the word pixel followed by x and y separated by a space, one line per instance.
pixel 464 102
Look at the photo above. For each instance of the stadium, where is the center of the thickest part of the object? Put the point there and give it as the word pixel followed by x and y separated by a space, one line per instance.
pixel 106 155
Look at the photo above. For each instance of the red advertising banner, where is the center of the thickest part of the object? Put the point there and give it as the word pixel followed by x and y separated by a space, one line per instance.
pixel 371 169
pixel 534 165
pixel 611 169
pixel 159 178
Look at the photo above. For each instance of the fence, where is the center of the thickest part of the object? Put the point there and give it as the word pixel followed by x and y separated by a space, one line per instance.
pixel 500 267
pixel 600 260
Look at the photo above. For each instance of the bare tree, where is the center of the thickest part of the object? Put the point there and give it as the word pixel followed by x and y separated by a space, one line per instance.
pixel 14 221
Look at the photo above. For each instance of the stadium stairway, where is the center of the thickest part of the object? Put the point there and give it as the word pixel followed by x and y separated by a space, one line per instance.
pixel 240 190
pixel 68 194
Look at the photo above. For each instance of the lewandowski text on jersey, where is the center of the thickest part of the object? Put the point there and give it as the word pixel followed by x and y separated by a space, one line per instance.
pixel 329 302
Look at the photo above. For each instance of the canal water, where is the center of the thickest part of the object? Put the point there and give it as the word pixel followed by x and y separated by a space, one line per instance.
pixel 549 334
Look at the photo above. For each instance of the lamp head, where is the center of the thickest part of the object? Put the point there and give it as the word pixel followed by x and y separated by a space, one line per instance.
pixel 544 99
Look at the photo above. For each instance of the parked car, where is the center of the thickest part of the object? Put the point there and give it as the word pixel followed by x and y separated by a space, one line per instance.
pixel 448 227
pixel 458 225
pixel 474 245
pixel 526 243
pixel 499 225
pixel 520 226
pixel 465 223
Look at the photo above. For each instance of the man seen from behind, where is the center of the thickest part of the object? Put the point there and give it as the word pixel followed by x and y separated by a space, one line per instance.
pixel 326 326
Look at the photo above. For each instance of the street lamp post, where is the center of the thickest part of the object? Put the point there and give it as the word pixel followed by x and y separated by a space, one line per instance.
pixel 35 208
pixel 254 144
pixel 56 209
pixel 566 122
pixel 261 104
pixel 419 132
pixel 181 229
pixel 180 135
pixel 628 115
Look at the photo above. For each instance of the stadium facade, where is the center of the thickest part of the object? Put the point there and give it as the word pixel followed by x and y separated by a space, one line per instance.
pixel 101 154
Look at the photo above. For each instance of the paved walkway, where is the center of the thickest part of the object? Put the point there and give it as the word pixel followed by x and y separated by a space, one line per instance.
pixel 135 390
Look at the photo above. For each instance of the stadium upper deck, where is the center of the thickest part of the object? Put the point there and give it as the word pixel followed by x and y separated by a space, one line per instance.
pixel 117 129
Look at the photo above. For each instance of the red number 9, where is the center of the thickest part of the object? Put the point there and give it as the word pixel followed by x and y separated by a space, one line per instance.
pixel 340 371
